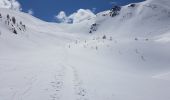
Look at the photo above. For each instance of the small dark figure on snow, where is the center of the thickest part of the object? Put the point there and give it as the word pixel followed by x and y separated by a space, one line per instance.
pixel 13 20
pixel 0 16
pixel 8 17
pixel 104 37
pixel 14 31
pixel 136 39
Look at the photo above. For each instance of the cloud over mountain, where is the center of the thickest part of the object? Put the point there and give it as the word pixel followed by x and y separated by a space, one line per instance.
pixel 78 16
pixel 62 17
pixel 10 4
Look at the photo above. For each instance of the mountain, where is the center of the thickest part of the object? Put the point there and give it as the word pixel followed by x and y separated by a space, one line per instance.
pixel 140 19
pixel 118 54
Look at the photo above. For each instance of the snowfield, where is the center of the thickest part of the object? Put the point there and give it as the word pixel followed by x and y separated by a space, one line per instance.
pixel 125 58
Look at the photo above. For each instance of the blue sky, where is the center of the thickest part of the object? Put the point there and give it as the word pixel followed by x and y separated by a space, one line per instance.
pixel 47 9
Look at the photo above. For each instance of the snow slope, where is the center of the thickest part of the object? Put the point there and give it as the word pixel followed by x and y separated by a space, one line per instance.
pixel 144 19
pixel 50 61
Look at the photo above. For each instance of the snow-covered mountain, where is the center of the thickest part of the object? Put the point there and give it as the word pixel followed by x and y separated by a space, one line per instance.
pixel 140 19
pixel 119 54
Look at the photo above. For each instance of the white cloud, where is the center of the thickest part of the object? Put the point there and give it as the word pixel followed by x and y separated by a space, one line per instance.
pixel 81 15
pixel 62 17
pixel 78 16
pixel 10 4
pixel 31 12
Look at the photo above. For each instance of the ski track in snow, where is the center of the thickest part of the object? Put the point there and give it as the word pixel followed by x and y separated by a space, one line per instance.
pixel 61 80
pixel 51 80
pixel 20 95
pixel 57 84
pixel 80 91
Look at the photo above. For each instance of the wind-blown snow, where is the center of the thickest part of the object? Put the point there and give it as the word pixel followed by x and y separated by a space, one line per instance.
pixel 31 12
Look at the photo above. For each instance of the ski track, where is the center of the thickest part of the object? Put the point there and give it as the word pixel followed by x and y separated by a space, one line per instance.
pixel 80 91
pixel 58 84
pixel 60 81
pixel 20 95
pixel 67 76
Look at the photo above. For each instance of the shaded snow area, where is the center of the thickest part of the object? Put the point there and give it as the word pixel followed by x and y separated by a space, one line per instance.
pixel 124 57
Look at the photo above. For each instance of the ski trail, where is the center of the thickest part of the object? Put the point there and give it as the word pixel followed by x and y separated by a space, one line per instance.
pixel 19 95
pixel 57 84
pixel 67 85
pixel 79 91
pixel 29 87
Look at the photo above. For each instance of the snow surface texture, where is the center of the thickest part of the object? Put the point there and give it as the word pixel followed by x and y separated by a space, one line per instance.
pixel 126 58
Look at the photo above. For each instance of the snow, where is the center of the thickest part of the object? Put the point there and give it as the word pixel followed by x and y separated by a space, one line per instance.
pixel 50 61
